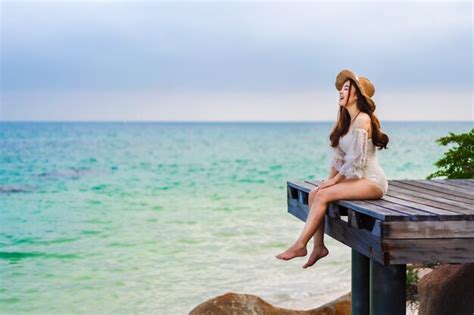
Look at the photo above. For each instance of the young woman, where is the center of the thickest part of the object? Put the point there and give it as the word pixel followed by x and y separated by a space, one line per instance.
pixel 355 172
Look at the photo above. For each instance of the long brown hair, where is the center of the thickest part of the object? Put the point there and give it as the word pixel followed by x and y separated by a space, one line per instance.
pixel 342 126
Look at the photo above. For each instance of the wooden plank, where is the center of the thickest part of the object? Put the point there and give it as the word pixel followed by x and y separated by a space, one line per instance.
pixel 426 199
pixel 371 210
pixel 292 192
pixel 314 182
pixel 469 182
pixel 465 191
pixel 428 229
pixel 463 188
pixel 377 228
pixel 301 185
pixel 334 211
pixel 412 189
pixel 362 221
pixel 438 187
pixel 417 211
pixel 414 213
pixel 443 211
pixel 449 182
pixel 362 241
pixel 422 203
pixel 446 189
pixel 452 182
pixel 458 181
pixel 417 203
pixel 353 220
pixel 297 209
pixel 441 250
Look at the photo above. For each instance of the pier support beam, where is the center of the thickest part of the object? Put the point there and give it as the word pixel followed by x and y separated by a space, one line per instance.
pixel 387 289
pixel 360 284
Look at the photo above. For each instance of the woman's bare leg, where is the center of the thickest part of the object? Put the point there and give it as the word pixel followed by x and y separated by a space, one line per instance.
pixel 319 249
pixel 315 216
pixel 318 239
pixel 354 189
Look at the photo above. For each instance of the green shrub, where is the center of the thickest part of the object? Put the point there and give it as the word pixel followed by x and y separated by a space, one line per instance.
pixel 412 286
pixel 458 162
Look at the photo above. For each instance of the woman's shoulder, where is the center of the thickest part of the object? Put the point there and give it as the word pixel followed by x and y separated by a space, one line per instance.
pixel 362 121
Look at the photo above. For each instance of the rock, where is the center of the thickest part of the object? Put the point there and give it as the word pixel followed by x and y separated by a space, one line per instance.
pixel 448 289
pixel 340 306
pixel 234 303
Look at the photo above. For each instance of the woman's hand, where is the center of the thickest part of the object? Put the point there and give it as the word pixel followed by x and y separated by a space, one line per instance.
pixel 326 183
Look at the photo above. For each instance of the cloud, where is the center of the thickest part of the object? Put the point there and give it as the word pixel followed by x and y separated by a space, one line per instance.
pixel 233 46
pixel 270 60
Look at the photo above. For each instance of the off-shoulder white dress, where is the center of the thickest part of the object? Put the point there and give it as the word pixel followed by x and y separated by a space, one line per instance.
pixel 356 157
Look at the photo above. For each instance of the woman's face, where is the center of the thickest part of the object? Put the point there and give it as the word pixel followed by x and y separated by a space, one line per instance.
pixel 344 98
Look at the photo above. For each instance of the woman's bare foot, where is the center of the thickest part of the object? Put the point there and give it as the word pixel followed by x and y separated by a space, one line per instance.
pixel 292 252
pixel 316 254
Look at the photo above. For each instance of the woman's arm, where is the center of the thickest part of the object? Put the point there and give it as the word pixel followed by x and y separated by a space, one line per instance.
pixel 355 160
pixel 334 177
pixel 332 173
pixel 337 160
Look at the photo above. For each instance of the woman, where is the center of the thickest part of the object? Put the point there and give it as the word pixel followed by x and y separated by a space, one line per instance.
pixel 355 172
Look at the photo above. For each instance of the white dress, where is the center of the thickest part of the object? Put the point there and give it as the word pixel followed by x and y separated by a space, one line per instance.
pixel 356 157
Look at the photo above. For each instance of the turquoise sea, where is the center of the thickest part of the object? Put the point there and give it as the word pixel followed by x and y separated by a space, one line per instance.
pixel 156 218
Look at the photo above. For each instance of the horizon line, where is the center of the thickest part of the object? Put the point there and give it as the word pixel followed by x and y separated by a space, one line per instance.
pixel 210 121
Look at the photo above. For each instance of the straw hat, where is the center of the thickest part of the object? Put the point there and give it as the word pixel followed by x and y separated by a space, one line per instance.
pixel 365 86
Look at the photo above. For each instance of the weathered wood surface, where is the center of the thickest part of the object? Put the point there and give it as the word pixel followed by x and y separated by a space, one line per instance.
pixel 443 250
pixel 417 221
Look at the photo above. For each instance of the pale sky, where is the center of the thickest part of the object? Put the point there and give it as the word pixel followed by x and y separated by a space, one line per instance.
pixel 219 61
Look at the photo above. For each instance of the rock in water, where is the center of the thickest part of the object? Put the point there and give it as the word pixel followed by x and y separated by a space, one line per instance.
pixel 448 289
pixel 234 303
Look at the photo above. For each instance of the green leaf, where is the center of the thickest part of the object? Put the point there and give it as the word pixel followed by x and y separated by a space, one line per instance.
pixel 458 161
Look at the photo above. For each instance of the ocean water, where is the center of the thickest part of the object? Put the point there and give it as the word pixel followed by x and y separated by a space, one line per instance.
pixel 158 217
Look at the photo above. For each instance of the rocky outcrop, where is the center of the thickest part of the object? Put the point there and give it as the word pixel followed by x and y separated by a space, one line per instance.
pixel 234 303
pixel 448 289
pixel 340 306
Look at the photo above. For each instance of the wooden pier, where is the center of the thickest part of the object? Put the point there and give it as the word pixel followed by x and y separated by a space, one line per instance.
pixel 418 221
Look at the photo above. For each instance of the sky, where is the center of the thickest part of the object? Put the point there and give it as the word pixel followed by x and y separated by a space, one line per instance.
pixel 232 61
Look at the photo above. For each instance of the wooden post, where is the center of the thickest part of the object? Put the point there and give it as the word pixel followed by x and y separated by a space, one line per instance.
pixel 360 284
pixel 387 289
